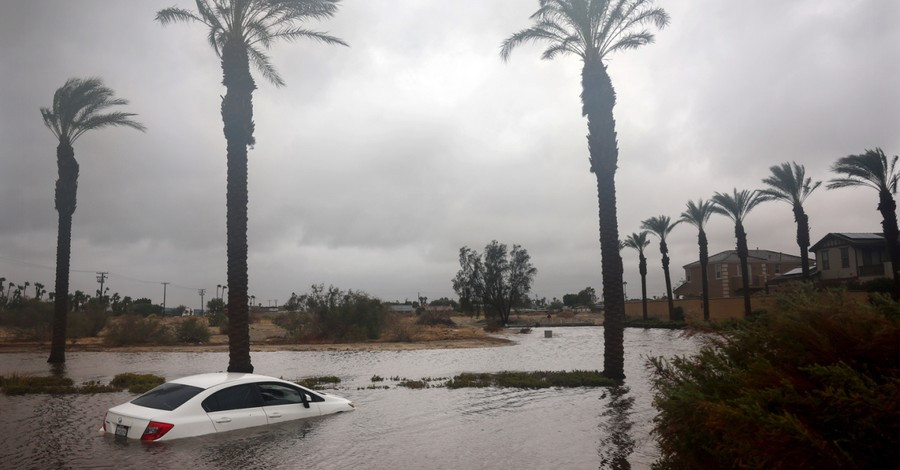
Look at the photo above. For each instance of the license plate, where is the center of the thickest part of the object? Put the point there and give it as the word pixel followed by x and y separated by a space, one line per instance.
pixel 121 431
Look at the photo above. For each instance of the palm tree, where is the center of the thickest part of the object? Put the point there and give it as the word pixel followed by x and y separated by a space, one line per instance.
pixel 593 30
pixel 736 206
pixel 697 214
pixel 873 170
pixel 239 32
pixel 789 183
pixel 639 241
pixel 661 226
pixel 78 106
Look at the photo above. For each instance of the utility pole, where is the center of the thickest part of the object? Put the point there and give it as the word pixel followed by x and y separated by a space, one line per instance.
pixel 164 284
pixel 101 276
pixel 201 292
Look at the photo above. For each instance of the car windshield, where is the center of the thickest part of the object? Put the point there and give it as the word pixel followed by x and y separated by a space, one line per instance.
pixel 167 396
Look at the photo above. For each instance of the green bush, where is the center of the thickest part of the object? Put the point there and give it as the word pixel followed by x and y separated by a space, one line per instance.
pixel 88 322
pixel 813 384
pixel 294 324
pixel 219 319
pixel 435 318
pixel 28 318
pixel 136 383
pixel 132 329
pixel 319 382
pixel 192 330
pixel 338 315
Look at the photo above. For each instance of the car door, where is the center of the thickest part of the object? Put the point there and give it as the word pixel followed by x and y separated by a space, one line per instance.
pixel 283 402
pixel 235 407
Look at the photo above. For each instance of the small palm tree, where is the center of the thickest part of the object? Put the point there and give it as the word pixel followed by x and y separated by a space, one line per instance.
pixel 872 169
pixel 662 226
pixel 592 30
pixel 736 206
pixel 697 214
pixel 639 241
pixel 239 32
pixel 78 106
pixel 789 183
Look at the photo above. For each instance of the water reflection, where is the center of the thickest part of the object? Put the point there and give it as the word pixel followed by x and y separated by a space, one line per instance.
pixel 617 443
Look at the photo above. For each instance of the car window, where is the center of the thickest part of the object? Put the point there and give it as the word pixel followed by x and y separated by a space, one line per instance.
pixel 167 396
pixel 233 398
pixel 280 394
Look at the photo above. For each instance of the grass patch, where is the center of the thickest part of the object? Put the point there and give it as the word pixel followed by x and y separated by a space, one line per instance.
pixel 413 384
pixel 26 385
pixel 654 323
pixel 318 383
pixel 377 378
pixel 137 383
pixel 532 380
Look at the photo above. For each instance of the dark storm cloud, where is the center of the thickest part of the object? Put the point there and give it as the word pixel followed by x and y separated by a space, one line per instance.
pixel 377 162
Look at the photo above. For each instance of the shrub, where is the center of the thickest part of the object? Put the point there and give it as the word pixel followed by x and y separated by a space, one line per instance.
pixel 132 329
pixel 338 315
pixel 435 318
pixel 137 383
pixel 678 314
pixel 87 323
pixel 492 327
pixel 813 384
pixel 29 319
pixel 219 319
pixel 319 382
pixel 192 330
pixel 532 380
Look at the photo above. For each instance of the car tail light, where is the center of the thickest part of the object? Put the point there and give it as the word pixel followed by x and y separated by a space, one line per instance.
pixel 104 420
pixel 156 430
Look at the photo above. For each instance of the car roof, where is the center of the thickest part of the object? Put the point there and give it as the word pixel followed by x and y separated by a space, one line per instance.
pixel 205 381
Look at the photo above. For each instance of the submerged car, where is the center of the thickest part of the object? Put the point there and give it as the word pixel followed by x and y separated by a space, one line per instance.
pixel 218 402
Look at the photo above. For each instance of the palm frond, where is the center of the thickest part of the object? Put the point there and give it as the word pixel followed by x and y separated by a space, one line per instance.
pixel 176 15
pixel 660 225
pixel 637 241
pixel 697 213
pixel 871 169
pixel 75 109
pixel 737 205
pixel 264 65
pixel 788 182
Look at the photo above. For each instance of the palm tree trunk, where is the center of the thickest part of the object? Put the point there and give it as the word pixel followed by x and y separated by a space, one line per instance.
pixel 888 208
pixel 704 275
pixel 598 99
pixel 743 254
pixel 237 116
pixel 65 199
pixel 664 249
pixel 802 238
pixel 642 268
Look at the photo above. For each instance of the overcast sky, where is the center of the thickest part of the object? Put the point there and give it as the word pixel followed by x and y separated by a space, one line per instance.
pixel 377 162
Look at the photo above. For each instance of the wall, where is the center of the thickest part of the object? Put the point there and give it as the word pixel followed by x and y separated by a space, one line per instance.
pixel 720 308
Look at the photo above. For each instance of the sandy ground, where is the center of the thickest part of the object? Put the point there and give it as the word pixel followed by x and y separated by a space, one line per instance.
pixel 266 336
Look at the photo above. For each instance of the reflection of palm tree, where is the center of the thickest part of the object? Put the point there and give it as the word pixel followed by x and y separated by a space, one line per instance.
pixel 662 226
pixel 736 206
pixel 697 214
pixel 639 241
pixel 77 108
pixel 617 443
pixel 239 32
pixel 789 183
pixel 592 30
pixel 873 170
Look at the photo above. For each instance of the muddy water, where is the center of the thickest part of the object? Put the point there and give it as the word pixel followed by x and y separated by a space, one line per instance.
pixel 395 428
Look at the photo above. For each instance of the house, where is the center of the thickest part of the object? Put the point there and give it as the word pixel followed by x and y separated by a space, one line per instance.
pixel 724 273
pixel 856 257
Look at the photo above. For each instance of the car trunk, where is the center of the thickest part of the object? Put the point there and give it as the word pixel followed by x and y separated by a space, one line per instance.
pixel 128 420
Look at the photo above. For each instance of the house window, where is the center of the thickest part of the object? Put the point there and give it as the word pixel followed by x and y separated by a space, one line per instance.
pixel 824 256
pixel 687 275
pixel 777 268
pixel 845 257
pixel 720 271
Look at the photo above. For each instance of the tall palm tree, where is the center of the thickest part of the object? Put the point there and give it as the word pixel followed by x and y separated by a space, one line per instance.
pixel 593 30
pixel 78 106
pixel 697 214
pixel 789 183
pixel 873 170
pixel 239 33
pixel 662 226
pixel 736 206
pixel 639 241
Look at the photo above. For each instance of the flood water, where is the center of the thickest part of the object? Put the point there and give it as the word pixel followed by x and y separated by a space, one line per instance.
pixel 397 428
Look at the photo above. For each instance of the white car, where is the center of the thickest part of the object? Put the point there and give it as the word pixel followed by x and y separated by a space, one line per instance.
pixel 219 402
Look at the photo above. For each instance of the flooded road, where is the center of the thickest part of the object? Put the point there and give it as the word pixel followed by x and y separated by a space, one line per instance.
pixel 396 428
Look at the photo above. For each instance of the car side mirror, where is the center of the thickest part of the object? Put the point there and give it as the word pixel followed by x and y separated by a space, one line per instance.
pixel 305 400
